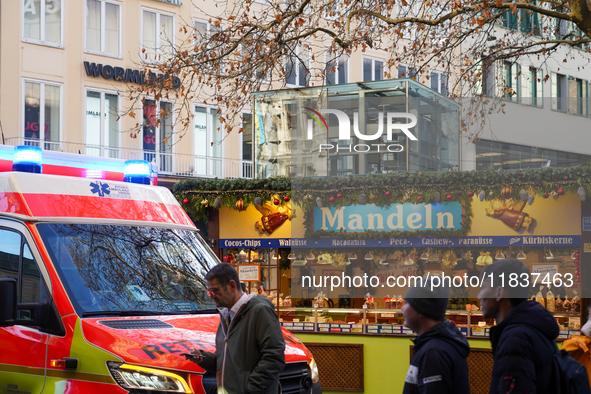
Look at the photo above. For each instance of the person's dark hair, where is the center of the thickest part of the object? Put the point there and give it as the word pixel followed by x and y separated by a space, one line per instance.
pixel 513 276
pixel 223 273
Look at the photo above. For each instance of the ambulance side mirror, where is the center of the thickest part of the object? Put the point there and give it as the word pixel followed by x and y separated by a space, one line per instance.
pixel 8 297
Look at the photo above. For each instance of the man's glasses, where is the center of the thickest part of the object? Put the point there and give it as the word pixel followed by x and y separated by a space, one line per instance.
pixel 213 291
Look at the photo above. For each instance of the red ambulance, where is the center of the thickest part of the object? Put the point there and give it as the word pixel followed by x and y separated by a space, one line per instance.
pixel 101 283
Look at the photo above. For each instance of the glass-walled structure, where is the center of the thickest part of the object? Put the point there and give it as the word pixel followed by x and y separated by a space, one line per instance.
pixel 355 129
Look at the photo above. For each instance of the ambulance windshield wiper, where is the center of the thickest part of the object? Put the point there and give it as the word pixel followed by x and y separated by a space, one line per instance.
pixel 131 313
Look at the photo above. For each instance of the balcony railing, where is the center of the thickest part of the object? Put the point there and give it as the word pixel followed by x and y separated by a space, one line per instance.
pixel 173 164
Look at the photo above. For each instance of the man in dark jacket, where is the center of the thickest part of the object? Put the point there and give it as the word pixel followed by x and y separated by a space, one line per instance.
pixel 439 363
pixel 522 361
pixel 250 349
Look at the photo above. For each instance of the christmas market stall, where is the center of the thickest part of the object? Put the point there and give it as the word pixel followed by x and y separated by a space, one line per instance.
pixel 306 236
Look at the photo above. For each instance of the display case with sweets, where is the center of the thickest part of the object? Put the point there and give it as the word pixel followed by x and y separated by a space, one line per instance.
pixel 550 301
pixel 566 305
pixel 576 303
pixel 399 302
pixel 321 300
pixel 369 301
pixel 287 301
pixel 388 302
pixel 540 298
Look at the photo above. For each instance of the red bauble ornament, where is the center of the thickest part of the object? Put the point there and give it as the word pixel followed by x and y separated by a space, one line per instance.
pixel 470 194
pixel 560 192
pixel 387 194
pixel 546 195
pixel 449 197
pixel 419 198
pixel 339 196
pixel 577 255
pixel 286 198
pixel 186 201
pixel 331 199
pixel 276 202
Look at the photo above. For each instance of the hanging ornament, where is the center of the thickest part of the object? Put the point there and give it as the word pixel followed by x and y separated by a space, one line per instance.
pixel 523 195
pixel 449 259
pixel 545 195
pixel 507 192
pixel 530 199
pixel 406 197
pixel 331 199
pixel 362 199
pixel 319 202
pixel 186 201
pixel 372 197
pixel 560 192
pixel 286 198
pixel 276 201
pixel 554 194
pixel 484 259
pixel 258 201
pixel 449 197
pixel 217 202
pixel 437 197
pixel 388 195
pixel 481 195
pixel 419 198
pixel 491 193
pixel 204 202
pixel 581 193
pixel 240 205
pixel 470 194
pixel 306 198
pixel 339 196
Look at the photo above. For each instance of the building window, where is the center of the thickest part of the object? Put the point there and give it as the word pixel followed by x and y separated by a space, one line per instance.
pixel 157 35
pixel 495 155
pixel 43 21
pixel 406 72
pixel 42 106
pixel 531 87
pixel 337 70
pixel 102 128
pixel 559 94
pixel 439 82
pixel 297 67
pixel 103 26
pixel 373 70
pixel 577 93
pixel 207 142
pixel 157 129
pixel 246 145
pixel 526 21
pixel 511 81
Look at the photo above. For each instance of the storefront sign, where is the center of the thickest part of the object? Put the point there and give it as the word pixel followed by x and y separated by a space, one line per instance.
pixel 587 248
pixel 574 240
pixel 587 224
pixel 128 75
pixel 402 217
pixel 249 272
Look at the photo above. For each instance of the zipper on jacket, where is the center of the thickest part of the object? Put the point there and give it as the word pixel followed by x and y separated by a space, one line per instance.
pixel 226 335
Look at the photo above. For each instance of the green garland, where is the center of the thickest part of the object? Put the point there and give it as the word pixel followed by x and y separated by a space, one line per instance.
pixel 197 196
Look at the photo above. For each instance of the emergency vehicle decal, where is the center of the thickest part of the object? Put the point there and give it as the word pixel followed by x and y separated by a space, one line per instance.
pixel 55 196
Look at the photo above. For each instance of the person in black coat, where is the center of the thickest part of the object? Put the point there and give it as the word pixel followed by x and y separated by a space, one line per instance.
pixel 522 361
pixel 439 363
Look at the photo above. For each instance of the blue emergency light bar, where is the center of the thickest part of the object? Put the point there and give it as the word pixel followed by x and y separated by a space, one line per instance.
pixel 137 171
pixel 27 159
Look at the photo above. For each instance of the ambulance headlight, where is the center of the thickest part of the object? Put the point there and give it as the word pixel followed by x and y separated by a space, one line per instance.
pixel 137 171
pixel 27 159
pixel 314 369
pixel 135 377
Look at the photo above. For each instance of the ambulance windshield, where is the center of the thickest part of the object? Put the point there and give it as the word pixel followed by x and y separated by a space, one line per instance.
pixel 107 268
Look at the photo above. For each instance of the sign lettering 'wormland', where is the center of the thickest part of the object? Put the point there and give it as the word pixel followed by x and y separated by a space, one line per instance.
pixel 396 217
